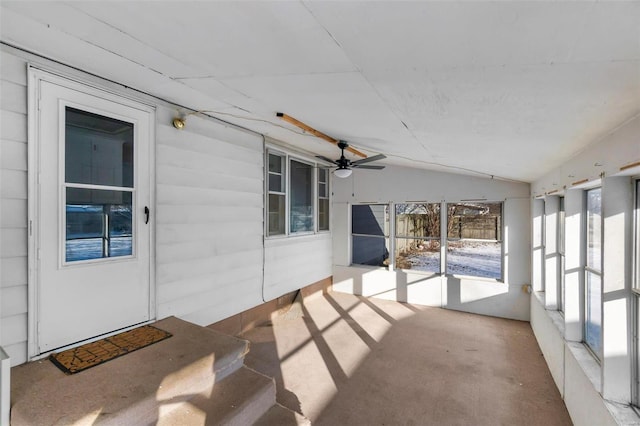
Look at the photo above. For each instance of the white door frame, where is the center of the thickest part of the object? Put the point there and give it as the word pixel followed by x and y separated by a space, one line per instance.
pixel 35 76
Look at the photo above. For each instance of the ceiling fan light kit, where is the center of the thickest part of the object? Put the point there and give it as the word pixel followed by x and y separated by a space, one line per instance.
pixel 342 173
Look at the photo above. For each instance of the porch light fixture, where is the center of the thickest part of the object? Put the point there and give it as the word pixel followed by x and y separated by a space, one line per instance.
pixel 342 172
pixel 179 123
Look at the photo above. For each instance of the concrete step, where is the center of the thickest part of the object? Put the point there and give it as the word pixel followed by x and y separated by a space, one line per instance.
pixel 281 416
pixel 241 399
pixel 131 390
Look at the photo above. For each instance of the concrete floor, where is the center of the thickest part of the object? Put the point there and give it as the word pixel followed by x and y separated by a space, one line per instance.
pixel 358 361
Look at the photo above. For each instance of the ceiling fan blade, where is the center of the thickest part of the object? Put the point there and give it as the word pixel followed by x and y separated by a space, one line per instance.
pixel 367 167
pixel 369 159
pixel 328 160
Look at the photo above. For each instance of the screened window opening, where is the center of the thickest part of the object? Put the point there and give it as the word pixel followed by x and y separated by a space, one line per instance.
pixel 474 239
pixel 418 237
pixel 370 234
pixel 593 273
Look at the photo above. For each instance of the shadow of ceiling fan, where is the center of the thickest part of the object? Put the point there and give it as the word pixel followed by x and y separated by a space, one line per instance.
pixel 344 165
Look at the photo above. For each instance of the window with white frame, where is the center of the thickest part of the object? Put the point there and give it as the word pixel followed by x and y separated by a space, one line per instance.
pixel 593 272
pixel 370 234
pixel 474 239
pixel 277 191
pixel 297 201
pixel 418 237
pixel 301 199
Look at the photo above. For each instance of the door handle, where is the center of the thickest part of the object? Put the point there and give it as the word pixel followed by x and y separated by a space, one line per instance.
pixel 146 214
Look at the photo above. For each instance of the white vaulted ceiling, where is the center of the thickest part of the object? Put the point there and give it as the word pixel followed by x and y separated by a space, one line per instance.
pixel 510 89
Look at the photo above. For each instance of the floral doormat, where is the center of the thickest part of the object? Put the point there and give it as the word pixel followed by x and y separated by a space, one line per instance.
pixel 95 353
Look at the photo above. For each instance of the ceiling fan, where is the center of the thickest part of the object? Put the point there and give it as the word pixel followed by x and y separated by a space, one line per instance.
pixel 344 164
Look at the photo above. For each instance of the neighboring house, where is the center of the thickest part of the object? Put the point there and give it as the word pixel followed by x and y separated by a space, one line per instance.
pixel 205 222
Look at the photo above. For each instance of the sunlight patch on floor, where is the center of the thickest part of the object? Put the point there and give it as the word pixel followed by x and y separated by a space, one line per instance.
pixel 167 388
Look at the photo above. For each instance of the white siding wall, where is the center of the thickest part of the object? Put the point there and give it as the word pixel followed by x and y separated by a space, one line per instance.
pixel 210 258
pixel 13 212
pixel 209 219
pixel 290 261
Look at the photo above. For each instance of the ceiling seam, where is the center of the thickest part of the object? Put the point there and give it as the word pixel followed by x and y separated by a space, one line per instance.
pixel 360 71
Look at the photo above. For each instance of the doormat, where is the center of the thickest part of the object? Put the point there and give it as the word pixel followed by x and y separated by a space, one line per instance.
pixel 95 353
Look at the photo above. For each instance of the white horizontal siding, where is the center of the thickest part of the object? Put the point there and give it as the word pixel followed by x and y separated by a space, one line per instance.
pixel 209 195
pixel 13 184
pixel 14 300
pixel 13 271
pixel 236 229
pixel 190 286
pixel 14 125
pixel 14 155
pixel 13 69
pixel 13 213
pixel 295 262
pixel 14 97
pixel 14 330
pixel 13 207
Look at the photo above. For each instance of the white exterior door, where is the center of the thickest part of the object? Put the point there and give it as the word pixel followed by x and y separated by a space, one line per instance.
pixel 93 219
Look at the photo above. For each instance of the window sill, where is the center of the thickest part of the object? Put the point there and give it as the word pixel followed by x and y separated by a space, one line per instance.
pixel 587 363
pixel 369 267
pixel 418 272
pixel 623 414
pixel 556 316
pixel 472 278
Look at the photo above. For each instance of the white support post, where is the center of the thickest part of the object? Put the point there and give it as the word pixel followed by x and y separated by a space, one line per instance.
pixel 537 247
pixel 574 264
pixel 5 387
pixel 617 211
pixel 551 254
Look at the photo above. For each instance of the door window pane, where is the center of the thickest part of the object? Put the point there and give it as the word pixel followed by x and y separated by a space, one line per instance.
pixel 99 224
pixel 301 209
pixel 98 150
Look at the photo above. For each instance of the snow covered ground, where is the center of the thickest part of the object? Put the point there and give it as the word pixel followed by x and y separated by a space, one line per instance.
pixel 472 258
pixel 91 248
